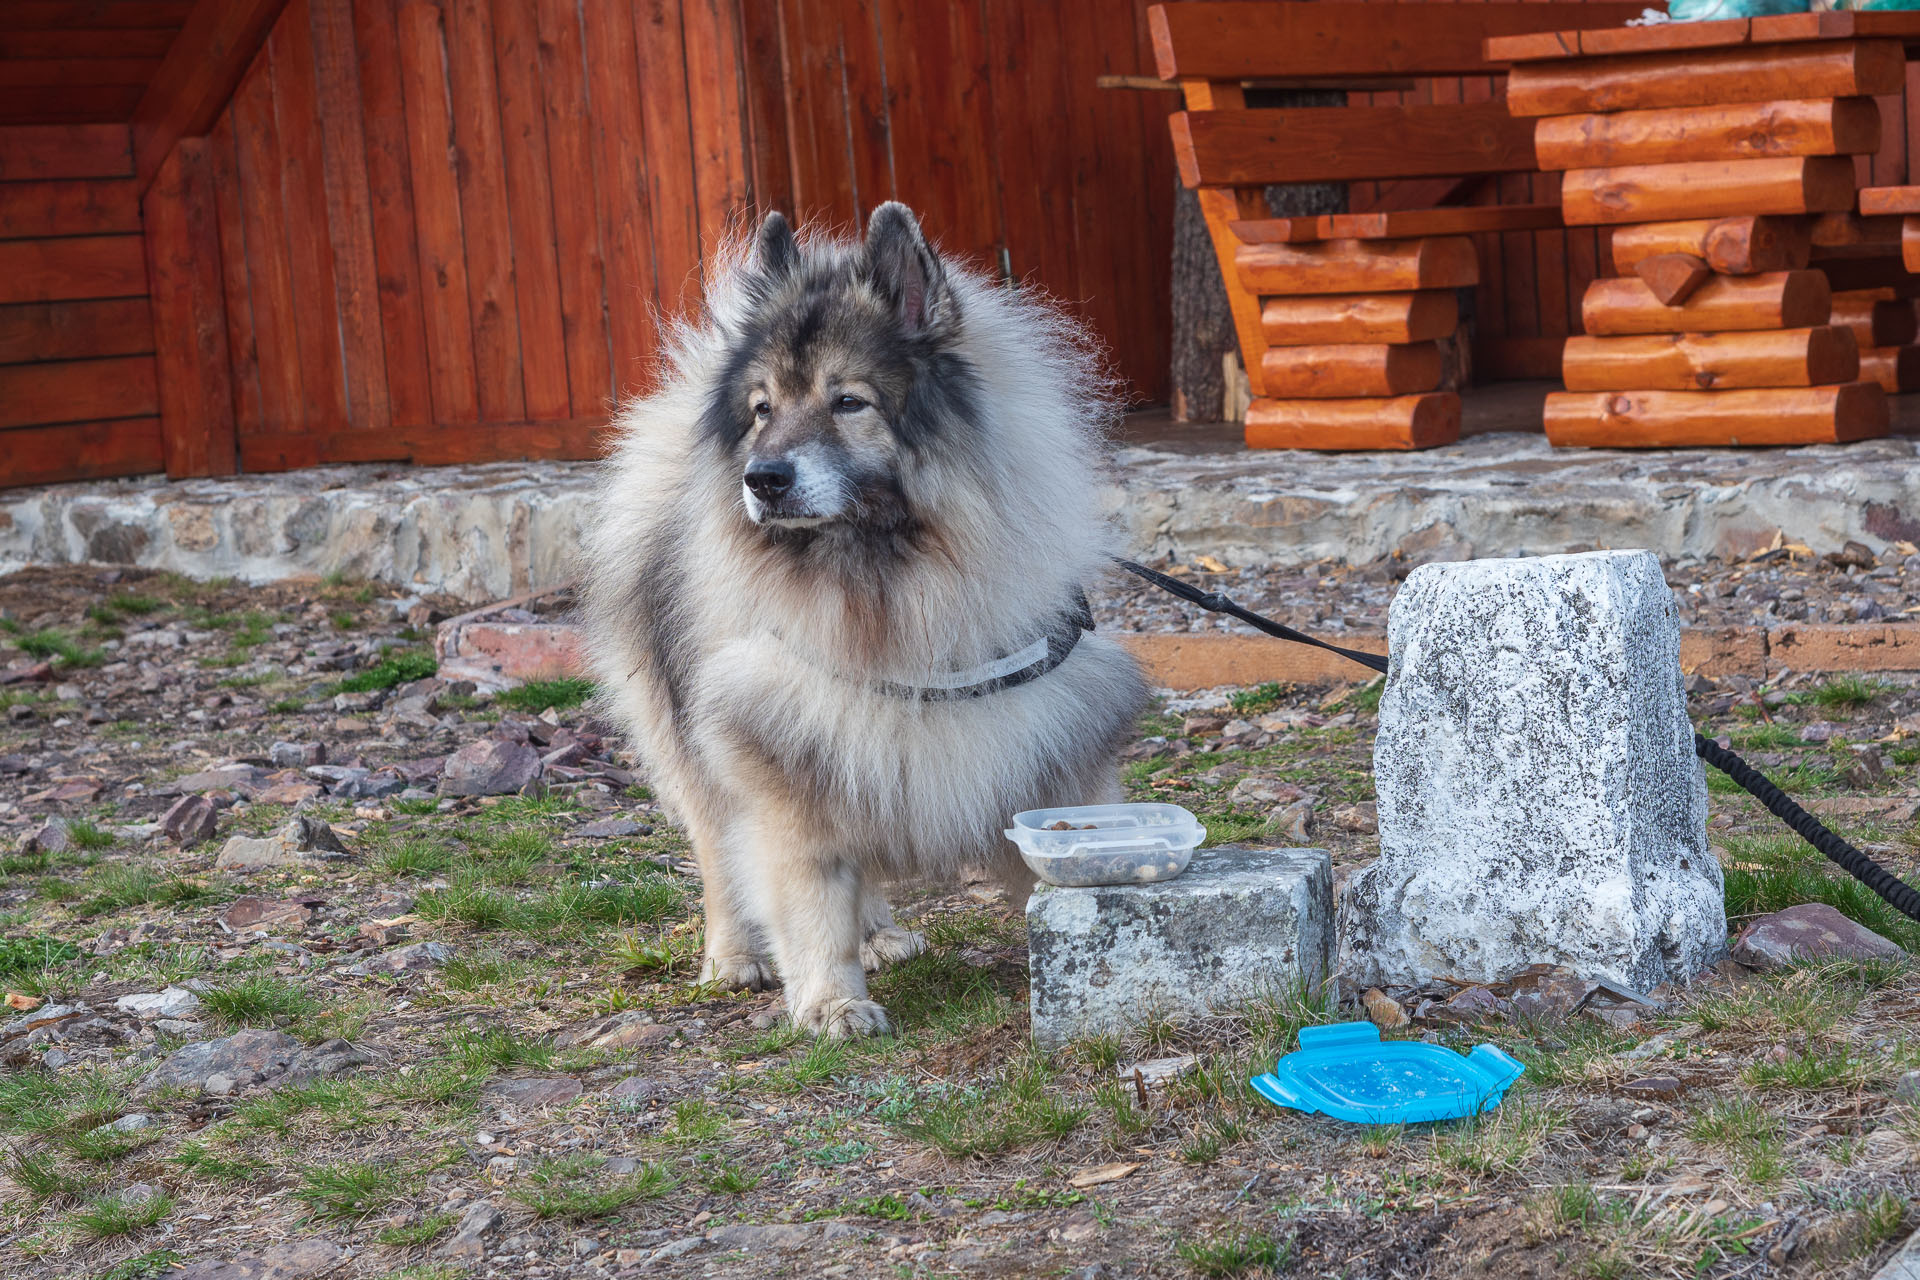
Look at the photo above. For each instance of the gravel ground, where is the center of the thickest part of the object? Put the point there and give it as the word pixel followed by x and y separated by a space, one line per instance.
pixel 464 1041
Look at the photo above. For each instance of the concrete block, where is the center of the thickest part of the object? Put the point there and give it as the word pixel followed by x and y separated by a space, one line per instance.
pixel 1539 798
pixel 1237 925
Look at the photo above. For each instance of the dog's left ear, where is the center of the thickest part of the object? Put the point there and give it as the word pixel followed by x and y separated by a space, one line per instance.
pixel 905 269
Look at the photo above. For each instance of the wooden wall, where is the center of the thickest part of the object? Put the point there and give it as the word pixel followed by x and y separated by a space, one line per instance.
pixel 446 226
pixel 985 117
pixel 77 378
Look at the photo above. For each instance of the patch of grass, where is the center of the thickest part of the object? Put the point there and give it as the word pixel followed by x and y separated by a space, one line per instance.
pixel 40 1176
pixel 90 837
pixel 1748 1134
pixel 36 956
pixel 1499 1141
pixel 350 1190
pixel 200 1158
pixel 143 1266
pixel 1813 1069
pixel 395 668
pixel 497 1048
pixel 660 952
pixel 696 1122
pixel 343 1102
pixel 63 649
pixel 1769 873
pixel 422 1232
pixel 537 695
pixel 561 1189
pixel 109 1216
pixel 414 856
pixel 939 991
pixel 104 1147
pixel 472 905
pixel 1021 1109
pixel 1258 700
pixel 1762 736
pixel 1235 1254
pixel 117 886
pixel 1368 698
pixel 728 1179
pixel 574 907
pixel 1847 691
pixel 473 970
pixel 260 1001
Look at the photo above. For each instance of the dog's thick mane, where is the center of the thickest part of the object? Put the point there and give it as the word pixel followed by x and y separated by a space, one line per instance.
pixel 1005 517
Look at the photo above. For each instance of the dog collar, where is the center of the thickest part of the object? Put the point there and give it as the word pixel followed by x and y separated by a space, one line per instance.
pixel 1009 670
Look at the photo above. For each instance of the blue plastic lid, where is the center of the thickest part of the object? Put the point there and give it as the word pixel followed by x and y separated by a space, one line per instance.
pixel 1345 1071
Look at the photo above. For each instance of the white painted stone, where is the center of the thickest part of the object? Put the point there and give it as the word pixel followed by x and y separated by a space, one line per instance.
pixel 1237 925
pixel 1540 801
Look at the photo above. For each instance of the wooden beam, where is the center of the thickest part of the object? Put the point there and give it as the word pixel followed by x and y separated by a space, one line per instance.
pixel 1701 419
pixel 1808 357
pixel 1881 201
pixel 202 69
pixel 1220 207
pixel 1366 317
pixel 1726 131
pixel 190 316
pixel 1348 144
pixel 1398 422
pixel 1353 369
pixel 1779 300
pixel 1741 246
pixel 1236 40
pixel 1862 68
pixel 1707 188
pixel 1358 266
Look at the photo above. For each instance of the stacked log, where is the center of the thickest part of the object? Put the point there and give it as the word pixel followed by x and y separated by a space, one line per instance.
pixel 1712 167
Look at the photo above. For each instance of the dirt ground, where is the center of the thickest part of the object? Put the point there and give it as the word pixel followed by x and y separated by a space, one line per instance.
pixel 470 1044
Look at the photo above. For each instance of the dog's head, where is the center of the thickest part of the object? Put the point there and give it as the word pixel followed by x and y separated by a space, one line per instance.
pixel 845 368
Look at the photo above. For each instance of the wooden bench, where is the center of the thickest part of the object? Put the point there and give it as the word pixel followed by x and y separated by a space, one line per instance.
pixel 1342 318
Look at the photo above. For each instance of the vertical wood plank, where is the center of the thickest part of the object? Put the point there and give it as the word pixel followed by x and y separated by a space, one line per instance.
pixel 1890 162
pixel 626 231
pixel 403 331
pixel 481 169
pixel 188 297
pixel 536 262
pixel 350 213
pixel 669 139
pixel 864 99
pixel 269 273
pixel 771 163
pixel 436 201
pixel 575 208
pixel 1154 379
pixel 717 110
pixel 1583 268
pixel 816 111
pixel 1030 87
pixel 316 315
pixel 945 118
pixel 241 352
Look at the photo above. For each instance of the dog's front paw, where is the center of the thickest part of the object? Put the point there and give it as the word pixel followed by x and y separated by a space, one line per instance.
pixel 888 946
pixel 842 1019
pixel 737 973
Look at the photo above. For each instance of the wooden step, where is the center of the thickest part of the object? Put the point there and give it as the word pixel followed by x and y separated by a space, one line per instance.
pixel 1702 419
pixel 1813 357
pixel 1730 131
pixel 1361 317
pixel 1403 422
pixel 1777 300
pixel 1358 266
pixel 1737 246
pixel 1707 77
pixel 1347 370
pixel 1398 224
pixel 1706 189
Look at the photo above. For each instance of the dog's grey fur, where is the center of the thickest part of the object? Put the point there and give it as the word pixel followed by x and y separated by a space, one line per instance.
pixel 943 510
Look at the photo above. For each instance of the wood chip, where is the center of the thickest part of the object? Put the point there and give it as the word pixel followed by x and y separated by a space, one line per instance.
pixel 15 1000
pixel 1210 564
pixel 1101 1173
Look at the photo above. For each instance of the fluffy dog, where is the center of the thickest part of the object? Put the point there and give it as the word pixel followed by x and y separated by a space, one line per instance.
pixel 834 594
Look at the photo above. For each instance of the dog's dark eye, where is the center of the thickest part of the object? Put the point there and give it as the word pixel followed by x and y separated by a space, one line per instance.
pixel 761 409
pixel 849 404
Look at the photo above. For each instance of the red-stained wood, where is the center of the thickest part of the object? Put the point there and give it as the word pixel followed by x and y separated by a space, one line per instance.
pixel 1810 357
pixel 1358 266
pixel 1875 321
pixel 530 195
pixel 1398 224
pixel 383 118
pixel 570 155
pixel 825 185
pixel 303 203
pixel 203 67
pixel 1349 369
pixel 620 169
pixel 1032 86
pixel 485 219
pixel 1704 78
pixel 68 269
pixel 150 42
pixel 1910 244
pixel 1771 29
pixel 1702 419
pixel 436 201
pixel 33 15
pixel 76 391
pixel 1400 422
pixel 1296 230
pixel 1780 300
pixel 716 119
pixel 75 330
pixel 30 153
pixel 770 166
pixel 349 212
pixel 1846 229
pixel 81 451
pixel 1314 144
pixel 242 354
pixel 1707 188
pixel 269 273
pixel 61 104
pixel 1360 318
pixel 1220 207
pixel 1511 359
pixel 1725 131
pixel 77 73
pixel 188 295
pixel 1889 201
pixel 1739 246
pixel 1673 277
pixel 67 208
pixel 1847 275
pixel 1894 369
pixel 1234 40
pixel 572 438
pixel 943 48
pixel 669 143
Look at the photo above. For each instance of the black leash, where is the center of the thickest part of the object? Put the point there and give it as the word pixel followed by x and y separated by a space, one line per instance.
pixel 1897 893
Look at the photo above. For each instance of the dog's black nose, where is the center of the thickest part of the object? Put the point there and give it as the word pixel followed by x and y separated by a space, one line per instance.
pixel 768 478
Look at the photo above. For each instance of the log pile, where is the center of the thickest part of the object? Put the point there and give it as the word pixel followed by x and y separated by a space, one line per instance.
pixel 1747 304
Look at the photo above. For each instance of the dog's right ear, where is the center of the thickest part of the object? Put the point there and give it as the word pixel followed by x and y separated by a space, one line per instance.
pixel 775 251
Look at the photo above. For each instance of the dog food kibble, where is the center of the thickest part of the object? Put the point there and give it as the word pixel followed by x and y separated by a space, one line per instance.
pixel 1068 826
pixel 1118 868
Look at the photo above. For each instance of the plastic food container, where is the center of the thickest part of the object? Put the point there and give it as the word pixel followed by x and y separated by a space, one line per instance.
pixel 1107 843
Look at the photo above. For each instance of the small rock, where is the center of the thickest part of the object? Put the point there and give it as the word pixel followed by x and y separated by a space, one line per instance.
pixel 1202 726
pixel 294 1260
pixel 297 755
pixel 408 959
pixel 489 767
pixel 1812 930
pixel 51 836
pixel 190 821
pixel 613 829
pixel 770 1235
pixel 1908 1087
pixel 1654 1087
pixel 469 1238
pixel 1292 822
pixel 1266 792
pixel 1383 1010
pixel 1869 768
pixel 632 1093
pixel 133 1122
pixel 1361 819
pixel 678 1248
pixel 248 1057
pixel 305 839
pixel 1479 1000
pixel 1854 555
pixel 252 912
pixel 1155 1072
pixel 292 794
pixel 174 1002
pixel 531 1092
